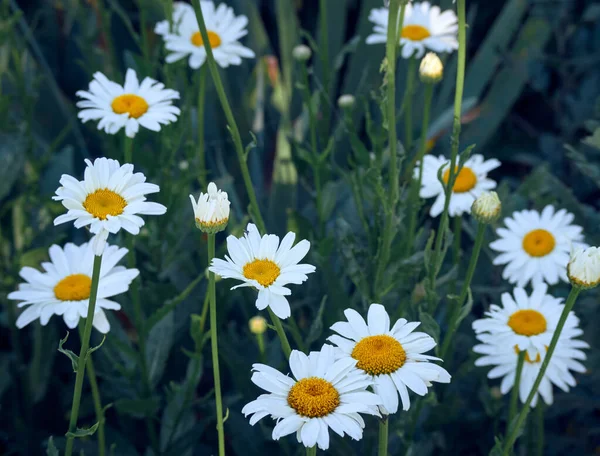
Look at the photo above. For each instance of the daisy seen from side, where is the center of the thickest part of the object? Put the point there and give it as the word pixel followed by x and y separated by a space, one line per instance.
pixel 211 210
pixel 392 357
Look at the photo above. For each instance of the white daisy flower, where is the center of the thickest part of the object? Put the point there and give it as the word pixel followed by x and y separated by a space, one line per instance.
pixel 470 183
pixel 425 27
pixel 64 288
pixel 527 322
pixel 535 246
pixel 584 267
pixel 393 358
pixel 109 198
pixel 224 31
pixel 147 104
pixel 266 265
pixel 322 394
pixel 566 357
pixel 211 211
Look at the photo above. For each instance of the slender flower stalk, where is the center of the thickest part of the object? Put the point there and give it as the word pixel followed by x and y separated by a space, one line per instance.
pixel 312 451
pixel 83 355
pixel 383 436
pixel 235 132
pixel 285 344
pixel 127 149
pixel 200 109
pixel 457 238
pixel 514 396
pixel 539 427
pixel 513 432
pixel 324 52
pixel 407 105
pixel 258 327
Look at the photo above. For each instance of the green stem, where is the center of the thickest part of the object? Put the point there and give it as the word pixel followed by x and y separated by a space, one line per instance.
pixel 514 395
pixel 457 305
pixel 408 97
pixel 214 344
pixel 106 33
pixel 312 451
pixel 204 312
pixel 539 418
pixel 513 431
pixel 201 146
pixel 324 51
pixel 97 400
pixel 235 133
pixel 83 354
pixel 260 341
pixel 457 239
pixel 383 436
pixel 143 31
pixel 458 95
pixel 127 150
pixel 285 344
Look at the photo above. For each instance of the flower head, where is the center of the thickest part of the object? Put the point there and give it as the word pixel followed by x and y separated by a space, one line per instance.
pixel 64 288
pixel 486 208
pixel 211 211
pixel 431 69
pixel 469 184
pixel 346 101
pixel 257 325
pixel 109 198
pixel 324 393
pixel 393 358
pixel 223 27
pixel 535 246
pixel 583 269
pixel 267 265
pixel 127 106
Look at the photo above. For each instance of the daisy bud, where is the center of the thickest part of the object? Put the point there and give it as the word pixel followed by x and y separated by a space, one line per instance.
pixel 301 53
pixel 346 101
pixel 431 69
pixel 211 210
pixel 486 208
pixel 257 325
pixel 184 165
pixel 583 269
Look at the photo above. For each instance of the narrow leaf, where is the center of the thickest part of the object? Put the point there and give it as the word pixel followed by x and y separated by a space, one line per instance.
pixel 72 356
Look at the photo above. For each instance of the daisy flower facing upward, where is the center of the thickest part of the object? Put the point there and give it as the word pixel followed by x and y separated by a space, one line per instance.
pixel 425 27
pixel 566 357
pixel 224 31
pixel 470 183
pixel 267 265
pixel 64 288
pixel 109 198
pixel 535 246
pixel 323 393
pixel 393 358
pixel 527 322
pixel 147 104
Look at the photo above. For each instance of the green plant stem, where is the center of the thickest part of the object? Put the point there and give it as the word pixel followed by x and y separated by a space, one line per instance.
pixel 312 451
pixel 214 344
pixel 204 312
pixel 83 354
pixel 383 436
pixel 457 305
pixel 513 431
pixel 106 34
pixel 260 341
pixel 235 132
pixel 91 375
pixel 127 149
pixel 285 344
pixel 514 396
pixel 408 97
pixel 458 95
pixel 324 52
pixel 457 238
pixel 539 428
pixel 143 31
pixel 200 109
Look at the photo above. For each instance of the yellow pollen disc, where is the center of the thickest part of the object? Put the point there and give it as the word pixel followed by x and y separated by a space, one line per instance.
pixel 415 32
pixel 213 38
pixel 104 202
pixel 538 243
pixel 74 287
pixel 538 358
pixel 379 355
pixel 313 397
pixel 264 272
pixel 465 181
pixel 134 105
pixel 527 322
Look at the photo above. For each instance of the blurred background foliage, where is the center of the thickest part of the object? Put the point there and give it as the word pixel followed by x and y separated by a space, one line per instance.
pixel 531 100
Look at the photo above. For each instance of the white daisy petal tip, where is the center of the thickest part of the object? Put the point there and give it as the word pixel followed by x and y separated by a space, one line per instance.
pixel 487 207
pixel 583 269
pixel 211 210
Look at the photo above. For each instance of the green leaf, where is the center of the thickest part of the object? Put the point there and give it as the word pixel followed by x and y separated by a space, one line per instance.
pixel 466 310
pixel 93 349
pixel 195 332
pixel 429 251
pixel 72 356
pixel 429 325
pixel 82 432
pixel 497 449
pixel 158 346
pixel 316 328
pixel 51 448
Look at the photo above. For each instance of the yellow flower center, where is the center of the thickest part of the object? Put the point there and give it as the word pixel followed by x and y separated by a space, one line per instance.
pixel 104 202
pixel 538 358
pixel 74 287
pixel 134 105
pixel 527 322
pixel 379 355
pixel 415 32
pixel 538 243
pixel 264 272
pixel 465 181
pixel 213 38
pixel 313 397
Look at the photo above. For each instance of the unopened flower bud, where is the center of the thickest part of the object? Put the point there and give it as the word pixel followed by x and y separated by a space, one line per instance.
pixel 211 211
pixel 583 269
pixel 486 208
pixel 257 325
pixel 346 101
pixel 184 165
pixel 301 53
pixel 431 69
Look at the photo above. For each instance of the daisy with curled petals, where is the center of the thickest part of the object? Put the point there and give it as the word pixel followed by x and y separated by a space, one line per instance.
pixel 566 357
pixel 267 265
pixel 425 27
pixel 535 246
pixel 64 288
pixel 127 106
pixel 109 198
pixel 527 322
pixel 224 31
pixel 471 182
pixel 324 393
pixel 393 358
